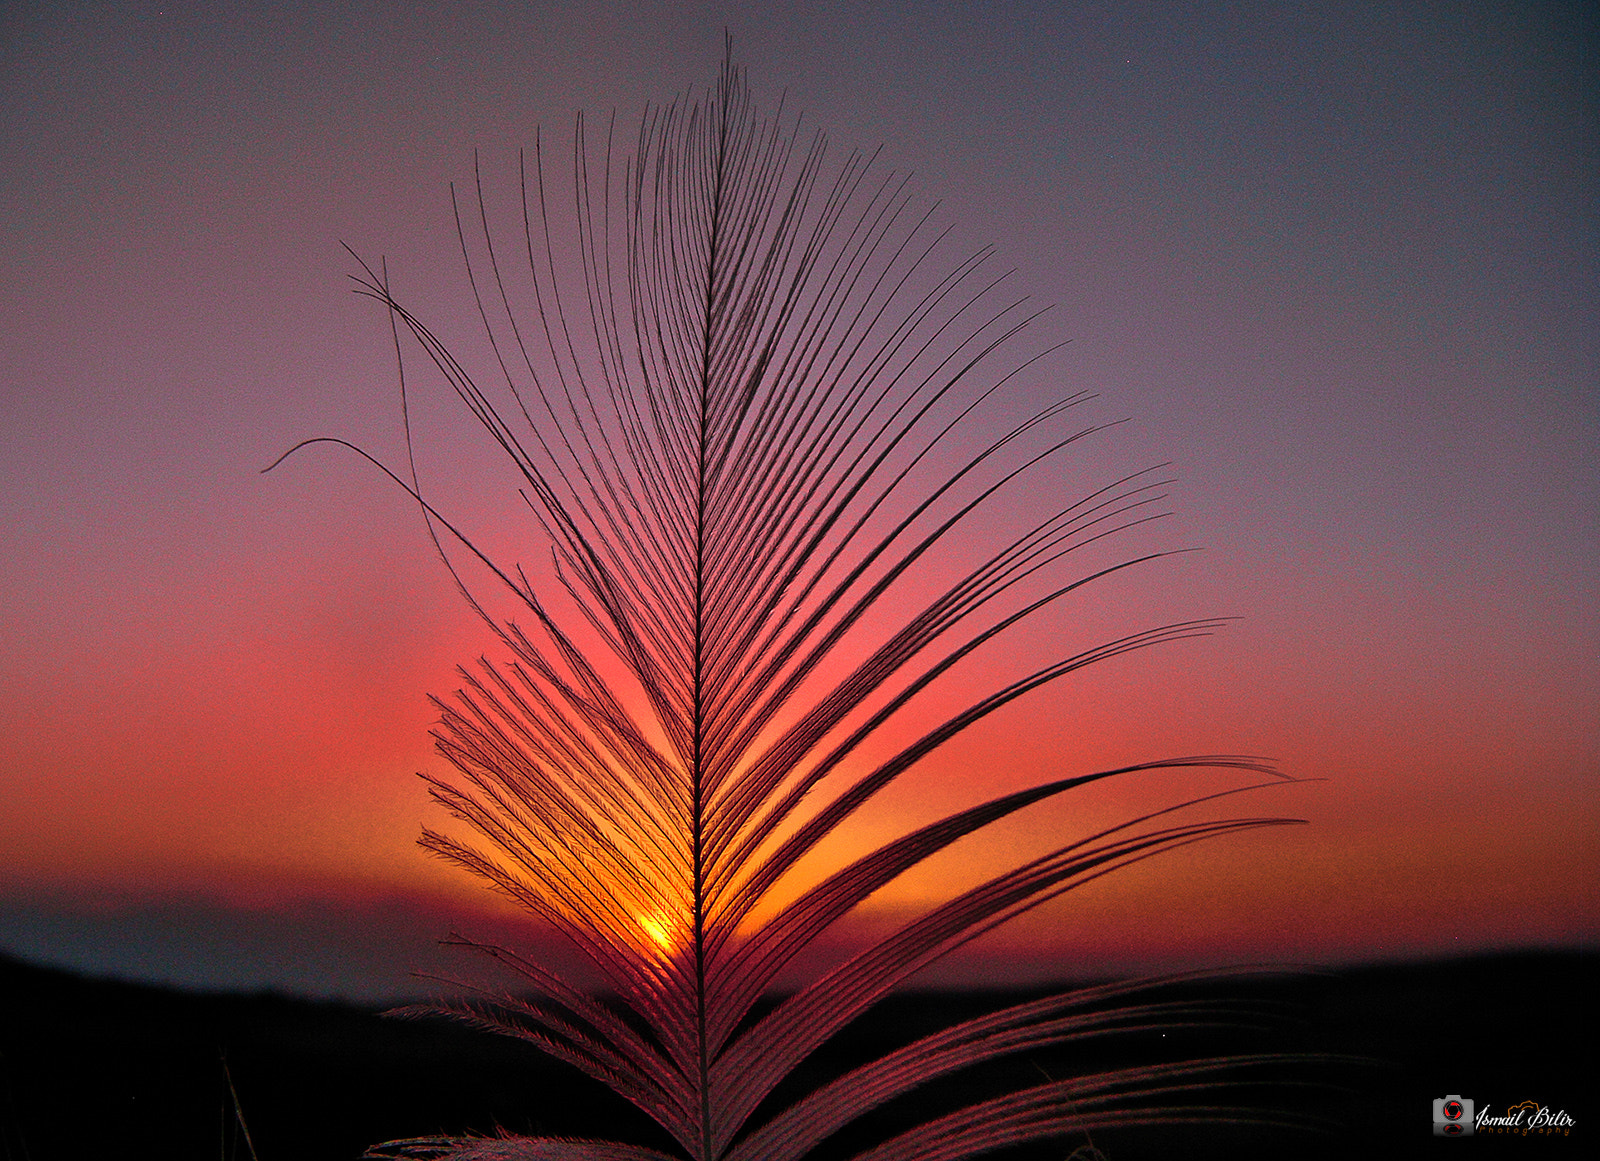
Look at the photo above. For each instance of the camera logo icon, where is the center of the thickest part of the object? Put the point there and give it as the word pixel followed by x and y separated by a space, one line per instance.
pixel 1452 1116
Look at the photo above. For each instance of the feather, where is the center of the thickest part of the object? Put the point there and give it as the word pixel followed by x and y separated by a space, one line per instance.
pixel 744 394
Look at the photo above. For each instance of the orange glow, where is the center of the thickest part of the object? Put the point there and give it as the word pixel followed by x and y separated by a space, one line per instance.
pixel 1373 373
pixel 659 933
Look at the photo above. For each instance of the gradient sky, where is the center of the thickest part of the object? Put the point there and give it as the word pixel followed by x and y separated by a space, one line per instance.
pixel 1337 262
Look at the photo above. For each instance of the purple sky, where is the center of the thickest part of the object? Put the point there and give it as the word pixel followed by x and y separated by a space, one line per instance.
pixel 1338 263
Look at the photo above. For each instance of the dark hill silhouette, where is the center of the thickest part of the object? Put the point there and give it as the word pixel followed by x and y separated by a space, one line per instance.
pixel 92 1068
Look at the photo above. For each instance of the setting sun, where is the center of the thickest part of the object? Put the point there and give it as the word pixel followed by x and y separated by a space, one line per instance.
pixel 658 933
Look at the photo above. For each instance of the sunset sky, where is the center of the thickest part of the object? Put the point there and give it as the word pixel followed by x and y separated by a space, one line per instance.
pixel 1338 263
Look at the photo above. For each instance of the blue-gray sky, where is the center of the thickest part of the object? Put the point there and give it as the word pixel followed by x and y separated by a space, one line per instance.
pixel 1337 262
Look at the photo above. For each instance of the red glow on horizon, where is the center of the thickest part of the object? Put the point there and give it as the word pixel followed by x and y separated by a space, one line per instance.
pixel 1371 370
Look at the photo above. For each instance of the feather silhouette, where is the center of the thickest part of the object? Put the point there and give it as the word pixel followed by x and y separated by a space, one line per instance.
pixel 740 388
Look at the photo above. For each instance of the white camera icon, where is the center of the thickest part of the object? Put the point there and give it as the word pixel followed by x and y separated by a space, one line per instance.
pixel 1452 1116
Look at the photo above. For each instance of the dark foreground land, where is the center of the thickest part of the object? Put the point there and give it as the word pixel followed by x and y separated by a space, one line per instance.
pixel 95 1069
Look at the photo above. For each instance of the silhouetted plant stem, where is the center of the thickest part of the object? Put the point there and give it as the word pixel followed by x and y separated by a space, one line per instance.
pixel 743 446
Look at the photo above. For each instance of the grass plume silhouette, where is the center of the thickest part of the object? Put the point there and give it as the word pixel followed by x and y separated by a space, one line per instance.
pixel 741 389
